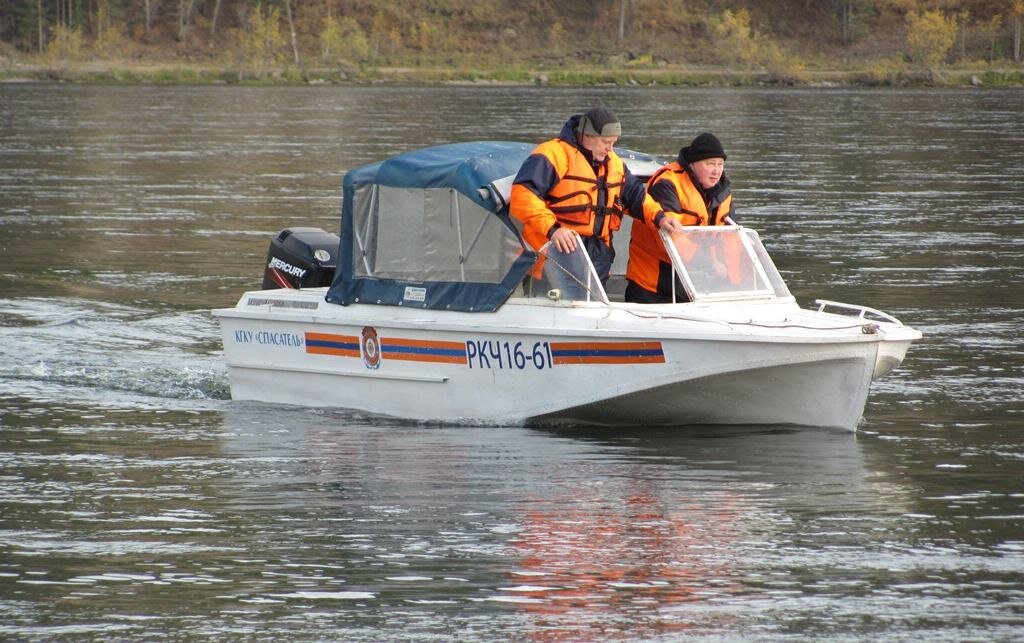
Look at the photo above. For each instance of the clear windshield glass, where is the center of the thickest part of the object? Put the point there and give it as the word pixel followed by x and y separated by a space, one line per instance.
pixel 774 278
pixel 723 262
pixel 569 276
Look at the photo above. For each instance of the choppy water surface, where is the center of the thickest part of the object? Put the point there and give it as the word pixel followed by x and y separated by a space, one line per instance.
pixel 138 502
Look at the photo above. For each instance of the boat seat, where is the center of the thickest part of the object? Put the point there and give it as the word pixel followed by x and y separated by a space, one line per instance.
pixel 616 288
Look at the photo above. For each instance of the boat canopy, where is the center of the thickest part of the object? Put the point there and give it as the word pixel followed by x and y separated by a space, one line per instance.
pixel 430 229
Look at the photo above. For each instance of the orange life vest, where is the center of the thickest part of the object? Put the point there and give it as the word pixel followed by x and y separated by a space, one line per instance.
pixel 589 203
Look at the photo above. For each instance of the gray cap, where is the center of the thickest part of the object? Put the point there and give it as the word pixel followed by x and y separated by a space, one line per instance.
pixel 600 122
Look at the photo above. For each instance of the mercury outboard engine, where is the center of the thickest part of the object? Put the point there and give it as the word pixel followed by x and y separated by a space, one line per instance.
pixel 301 258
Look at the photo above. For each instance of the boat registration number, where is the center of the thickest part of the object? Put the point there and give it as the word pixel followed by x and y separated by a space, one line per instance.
pixel 493 354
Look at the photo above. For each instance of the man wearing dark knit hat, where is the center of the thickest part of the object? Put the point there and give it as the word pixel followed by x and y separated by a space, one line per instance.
pixel 694 190
pixel 576 183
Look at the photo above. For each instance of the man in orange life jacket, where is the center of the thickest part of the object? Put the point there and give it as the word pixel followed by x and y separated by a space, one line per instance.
pixel 692 189
pixel 577 183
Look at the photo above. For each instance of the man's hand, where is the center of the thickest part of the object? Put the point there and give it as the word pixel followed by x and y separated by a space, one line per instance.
pixel 564 240
pixel 670 225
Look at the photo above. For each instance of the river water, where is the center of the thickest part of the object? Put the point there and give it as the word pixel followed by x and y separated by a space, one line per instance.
pixel 138 502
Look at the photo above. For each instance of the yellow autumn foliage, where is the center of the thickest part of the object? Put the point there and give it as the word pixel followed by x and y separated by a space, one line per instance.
pixel 930 36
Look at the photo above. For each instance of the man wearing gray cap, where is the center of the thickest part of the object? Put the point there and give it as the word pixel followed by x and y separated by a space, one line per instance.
pixel 577 183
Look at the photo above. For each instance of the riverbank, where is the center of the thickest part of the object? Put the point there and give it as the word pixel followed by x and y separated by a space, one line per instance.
pixel 100 72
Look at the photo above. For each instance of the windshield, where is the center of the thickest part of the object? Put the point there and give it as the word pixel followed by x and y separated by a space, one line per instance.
pixel 568 275
pixel 713 263
pixel 723 262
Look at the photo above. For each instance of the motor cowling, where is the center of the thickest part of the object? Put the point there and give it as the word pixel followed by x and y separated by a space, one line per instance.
pixel 301 258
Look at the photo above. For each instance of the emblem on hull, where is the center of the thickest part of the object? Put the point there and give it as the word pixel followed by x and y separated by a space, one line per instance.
pixel 371 347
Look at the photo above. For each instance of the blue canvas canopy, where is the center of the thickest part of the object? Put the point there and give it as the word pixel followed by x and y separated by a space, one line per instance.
pixel 430 229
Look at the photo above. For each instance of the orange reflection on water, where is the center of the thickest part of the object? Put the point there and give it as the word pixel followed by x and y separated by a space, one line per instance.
pixel 589 567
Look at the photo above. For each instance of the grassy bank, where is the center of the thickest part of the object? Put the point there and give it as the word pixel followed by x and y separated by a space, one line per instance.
pixel 189 74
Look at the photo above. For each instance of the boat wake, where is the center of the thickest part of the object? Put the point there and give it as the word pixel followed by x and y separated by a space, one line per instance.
pixel 92 351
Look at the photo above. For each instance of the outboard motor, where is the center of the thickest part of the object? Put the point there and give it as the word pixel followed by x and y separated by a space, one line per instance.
pixel 301 258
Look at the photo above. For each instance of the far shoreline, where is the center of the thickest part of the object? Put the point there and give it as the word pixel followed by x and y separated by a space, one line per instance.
pixel 174 73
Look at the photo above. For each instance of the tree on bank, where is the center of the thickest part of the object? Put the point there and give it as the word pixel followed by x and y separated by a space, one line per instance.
pixel 930 36
pixel 260 42
pixel 1018 27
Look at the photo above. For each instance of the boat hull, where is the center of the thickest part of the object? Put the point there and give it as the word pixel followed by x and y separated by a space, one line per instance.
pixel 818 392
pixel 539 362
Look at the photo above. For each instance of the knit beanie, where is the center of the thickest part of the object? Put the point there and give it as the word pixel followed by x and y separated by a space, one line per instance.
pixel 705 146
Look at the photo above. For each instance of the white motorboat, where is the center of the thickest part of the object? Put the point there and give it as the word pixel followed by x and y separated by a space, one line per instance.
pixel 427 317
